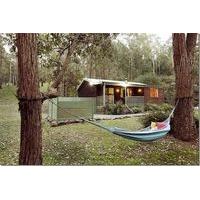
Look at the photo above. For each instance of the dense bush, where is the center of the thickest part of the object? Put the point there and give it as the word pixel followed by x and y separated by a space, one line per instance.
pixel 149 78
pixel 157 107
pixel 156 113
pixel 116 109
pixel 168 86
pixel 119 109
pixel 137 109
pixel 151 107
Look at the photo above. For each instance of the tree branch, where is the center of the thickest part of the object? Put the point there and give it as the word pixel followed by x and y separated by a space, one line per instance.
pixel 53 90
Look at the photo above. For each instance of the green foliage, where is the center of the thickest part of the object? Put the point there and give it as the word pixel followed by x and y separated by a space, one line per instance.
pixel 119 109
pixel 137 108
pixel 116 109
pixel 7 65
pixel 149 78
pixel 151 107
pixel 168 87
pixel 102 56
pixel 156 113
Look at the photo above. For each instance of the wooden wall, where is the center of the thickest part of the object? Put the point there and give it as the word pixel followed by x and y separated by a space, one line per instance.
pixel 148 99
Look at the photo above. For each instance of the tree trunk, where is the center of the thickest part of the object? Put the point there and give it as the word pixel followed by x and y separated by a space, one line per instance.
pixel 67 60
pixel 1 62
pixel 183 126
pixel 29 101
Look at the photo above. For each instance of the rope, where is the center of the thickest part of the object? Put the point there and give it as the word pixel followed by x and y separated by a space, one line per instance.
pixel 172 112
pixel 32 99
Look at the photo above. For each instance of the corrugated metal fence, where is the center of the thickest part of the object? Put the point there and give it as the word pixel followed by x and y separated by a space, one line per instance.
pixel 67 108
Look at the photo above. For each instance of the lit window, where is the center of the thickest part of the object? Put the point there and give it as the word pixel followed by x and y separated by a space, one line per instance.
pixel 109 91
pixel 139 90
pixel 153 92
pixel 129 92
pixel 122 92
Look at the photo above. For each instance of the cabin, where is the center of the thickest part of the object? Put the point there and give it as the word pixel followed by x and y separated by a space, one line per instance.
pixel 113 91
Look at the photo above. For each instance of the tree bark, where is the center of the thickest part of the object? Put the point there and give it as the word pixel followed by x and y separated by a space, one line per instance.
pixel 30 101
pixel 183 125
pixel 1 62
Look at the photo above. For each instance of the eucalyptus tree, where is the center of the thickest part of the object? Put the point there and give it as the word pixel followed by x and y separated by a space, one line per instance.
pixel 30 100
pixel 183 54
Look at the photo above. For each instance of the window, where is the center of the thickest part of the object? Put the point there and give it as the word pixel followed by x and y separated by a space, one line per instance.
pixel 122 93
pixel 109 91
pixel 129 92
pixel 153 92
pixel 138 91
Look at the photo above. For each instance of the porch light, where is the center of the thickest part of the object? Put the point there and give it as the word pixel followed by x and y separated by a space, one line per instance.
pixel 117 90
pixel 139 90
pixel 91 83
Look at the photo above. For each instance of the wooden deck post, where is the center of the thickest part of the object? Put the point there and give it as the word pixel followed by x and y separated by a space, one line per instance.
pixel 125 86
pixel 104 94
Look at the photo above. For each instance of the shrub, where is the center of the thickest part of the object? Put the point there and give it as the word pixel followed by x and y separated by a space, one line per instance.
pixel 151 107
pixel 116 109
pixel 120 109
pixel 156 113
pixel 157 107
pixel 100 109
pixel 137 109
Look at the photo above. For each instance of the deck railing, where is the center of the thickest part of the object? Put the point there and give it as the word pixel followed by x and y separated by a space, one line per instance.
pixel 131 100
pixel 134 100
pixel 109 99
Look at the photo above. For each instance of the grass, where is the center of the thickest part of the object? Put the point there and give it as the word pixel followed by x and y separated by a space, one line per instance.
pixel 84 144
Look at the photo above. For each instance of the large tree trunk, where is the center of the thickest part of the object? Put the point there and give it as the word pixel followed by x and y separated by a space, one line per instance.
pixel 183 126
pixel 29 101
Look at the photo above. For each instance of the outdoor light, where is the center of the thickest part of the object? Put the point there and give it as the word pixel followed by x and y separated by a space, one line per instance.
pixel 139 90
pixel 91 83
pixel 117 90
